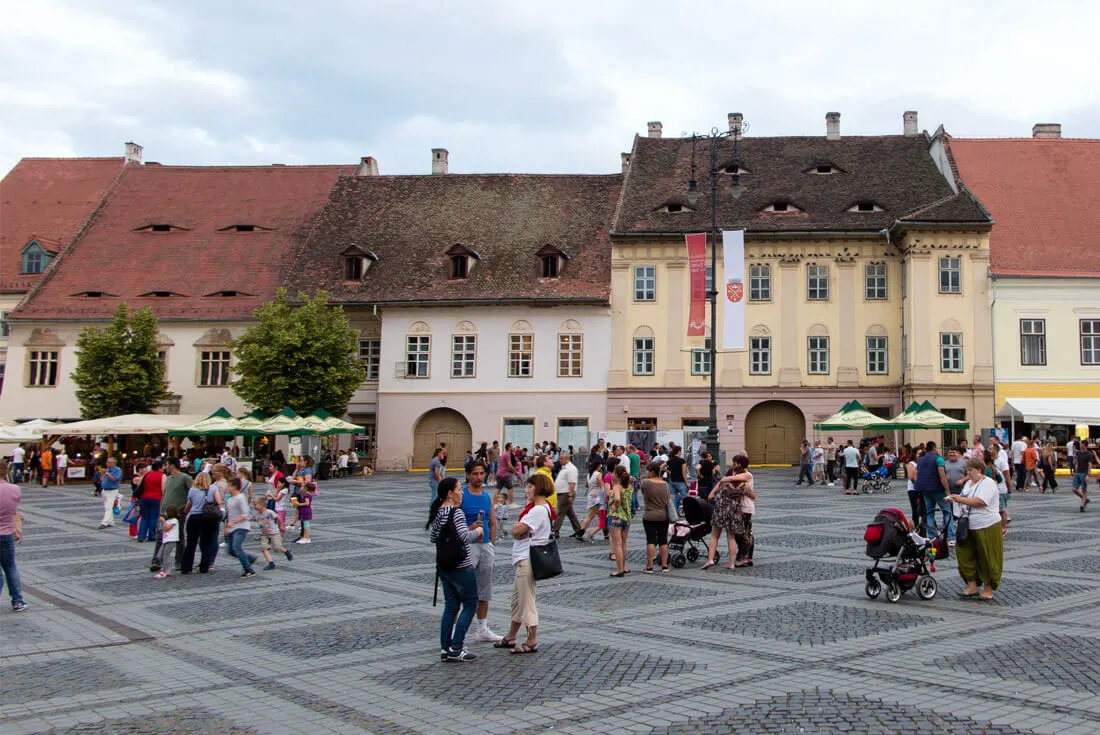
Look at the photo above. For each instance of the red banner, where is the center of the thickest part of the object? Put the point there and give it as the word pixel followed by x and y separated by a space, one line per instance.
pixel 697 266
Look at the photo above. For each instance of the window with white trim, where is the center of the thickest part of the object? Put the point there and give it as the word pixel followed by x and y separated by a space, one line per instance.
pixel 570 355
pixel 1090 341
pixel 818 356
pixel 370 354
pixel 1033 341
pixel 877 356
pixel 875 278
pixel 5 330
pixel 817 282
pixel 42 368
pixel 700 359
pixel 463 355
pixel 951 274
pixel 951 352
pixel 418 355
pixel 760 283
pixel 760 355
pixel 643 356
pixel 645 283
pixel 213 368
pixel 708 282
pixel 521 355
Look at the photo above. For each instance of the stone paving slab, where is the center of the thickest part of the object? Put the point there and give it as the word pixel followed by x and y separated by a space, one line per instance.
pixel 344 639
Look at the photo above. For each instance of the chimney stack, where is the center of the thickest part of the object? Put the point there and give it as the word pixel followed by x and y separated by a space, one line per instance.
pixel 832 126
pixel 1046 130
pixel 626 161
pixel 133 152
pixel 736 119
pixel 367 167
pixel 909 123
pixel 439 161
pixel 655 129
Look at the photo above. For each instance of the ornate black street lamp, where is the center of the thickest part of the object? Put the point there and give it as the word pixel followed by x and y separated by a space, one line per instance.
pixel 729 160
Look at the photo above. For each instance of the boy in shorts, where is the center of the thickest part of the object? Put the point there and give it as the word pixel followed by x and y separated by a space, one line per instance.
pixel 270 538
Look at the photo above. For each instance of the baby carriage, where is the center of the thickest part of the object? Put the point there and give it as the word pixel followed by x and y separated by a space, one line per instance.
pixel 875 481
pixel 690 532
pixel 903 558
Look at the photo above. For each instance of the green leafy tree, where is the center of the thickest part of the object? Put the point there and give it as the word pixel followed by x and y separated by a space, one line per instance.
pixel 118 370
pixel 303 356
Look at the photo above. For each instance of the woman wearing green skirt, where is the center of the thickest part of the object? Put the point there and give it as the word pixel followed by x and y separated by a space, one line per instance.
pixel 981 555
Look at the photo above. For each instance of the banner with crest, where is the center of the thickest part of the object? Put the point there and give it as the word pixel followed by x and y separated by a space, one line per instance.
pixel 733 295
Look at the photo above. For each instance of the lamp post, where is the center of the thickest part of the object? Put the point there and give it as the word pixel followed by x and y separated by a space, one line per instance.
pixel 715 147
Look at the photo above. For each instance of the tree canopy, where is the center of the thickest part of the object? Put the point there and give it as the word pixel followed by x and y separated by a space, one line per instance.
pixel 300 355
pixel 118 369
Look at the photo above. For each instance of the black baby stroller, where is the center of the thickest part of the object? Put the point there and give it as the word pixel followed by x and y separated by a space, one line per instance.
pixel 691 532
pixel 903 559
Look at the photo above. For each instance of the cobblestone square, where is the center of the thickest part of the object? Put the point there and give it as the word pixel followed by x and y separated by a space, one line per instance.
pixel 344 638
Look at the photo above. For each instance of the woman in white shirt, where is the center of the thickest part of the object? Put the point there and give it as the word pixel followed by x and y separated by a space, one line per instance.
pixel 981 555
pixel 533 529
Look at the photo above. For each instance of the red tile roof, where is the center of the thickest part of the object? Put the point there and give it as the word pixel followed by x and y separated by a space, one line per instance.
pixel 49 200
pixel 1042 194
pixel 199 257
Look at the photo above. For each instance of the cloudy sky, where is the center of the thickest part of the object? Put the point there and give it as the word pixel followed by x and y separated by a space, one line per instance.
pixel 521 86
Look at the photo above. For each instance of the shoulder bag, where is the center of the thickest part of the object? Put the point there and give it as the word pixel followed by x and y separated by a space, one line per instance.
pixel 211 513
pixel 962 525
pixel 545 561
pixel 671 511
pixel 450 550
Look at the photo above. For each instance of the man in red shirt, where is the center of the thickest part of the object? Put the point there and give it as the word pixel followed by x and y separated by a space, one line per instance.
pixel 152 491
pixel 1031 464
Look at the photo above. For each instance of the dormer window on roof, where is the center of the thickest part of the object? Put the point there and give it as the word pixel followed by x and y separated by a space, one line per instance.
pixel 357 262
pixel 782 206
pixel 460 266
pixel 866 206
pixel 158 294
pixel 160 227
pixel 461 260
pixel 243 227
pixel 551 261
pixel 675 208
pixel 824 169
pixel 35 258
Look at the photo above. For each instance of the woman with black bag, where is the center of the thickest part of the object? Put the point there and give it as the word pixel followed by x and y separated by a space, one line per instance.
pixel 532 529
pixel 980 545
pixel 455 568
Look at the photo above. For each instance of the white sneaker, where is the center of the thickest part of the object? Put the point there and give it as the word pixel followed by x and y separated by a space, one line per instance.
pixel 487 636
pixel 832 484
pixel 513 506
pixel 303 541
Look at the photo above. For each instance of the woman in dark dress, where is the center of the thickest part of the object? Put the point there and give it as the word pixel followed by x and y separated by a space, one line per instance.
pixel 726 497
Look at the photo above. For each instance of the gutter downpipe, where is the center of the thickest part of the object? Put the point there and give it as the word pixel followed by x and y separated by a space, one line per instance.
pixel 993 345
pixel 901 385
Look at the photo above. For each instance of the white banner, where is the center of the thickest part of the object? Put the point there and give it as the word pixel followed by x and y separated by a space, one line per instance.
pixel 733 315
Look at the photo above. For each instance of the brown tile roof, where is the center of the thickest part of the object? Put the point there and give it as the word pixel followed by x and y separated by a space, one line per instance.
pixel 894 172
pixel 194 261
pixel 1043 195
pixel 410 222
pixel 47 199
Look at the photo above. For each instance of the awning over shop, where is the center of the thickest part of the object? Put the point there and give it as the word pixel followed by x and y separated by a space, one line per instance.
pixel 131 423
pixel 28 432
pixel 1051 410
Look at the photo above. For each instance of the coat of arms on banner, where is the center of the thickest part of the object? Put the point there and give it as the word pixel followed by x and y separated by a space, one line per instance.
pixel 735 290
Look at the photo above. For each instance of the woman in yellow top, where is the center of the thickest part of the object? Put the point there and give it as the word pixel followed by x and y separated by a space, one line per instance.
pixel 543 465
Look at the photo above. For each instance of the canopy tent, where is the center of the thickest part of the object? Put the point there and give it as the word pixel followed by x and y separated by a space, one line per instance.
pixel 31 431
pixel 1051 410
pixel 332 425
pixel 287 423
pixel 219 423
pixel 131 423
pixel 925 416
pixel 853 416
pixel 251 422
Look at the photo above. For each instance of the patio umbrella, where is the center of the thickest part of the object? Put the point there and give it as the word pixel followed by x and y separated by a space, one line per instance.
pixel 855 417
pixel 333 425
pixel 219 423
pixel 925 416
pixel 29 432
pixel 287 423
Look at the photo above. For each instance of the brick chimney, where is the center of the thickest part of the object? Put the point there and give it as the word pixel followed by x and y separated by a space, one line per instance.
pixel 1046 130
pixel 832 125
pixel 909 123
pixel 133 153
pixel 439 161
pixel 655 129
pixel 736 119
pixel 626 161
pixel 368 166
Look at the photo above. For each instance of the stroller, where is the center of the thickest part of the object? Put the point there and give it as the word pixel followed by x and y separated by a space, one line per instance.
pixel 875 481
pixel 690 532
pixel 903 558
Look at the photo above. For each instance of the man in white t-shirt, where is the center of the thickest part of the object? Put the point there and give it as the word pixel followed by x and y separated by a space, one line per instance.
pixel 18 463
pixel 1018 448
pixel 62 466
pixel 1003 476
pixel 851 469
pixel 565 487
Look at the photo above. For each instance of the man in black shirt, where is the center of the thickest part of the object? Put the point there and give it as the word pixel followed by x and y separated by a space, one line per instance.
pixel 676 481
pixel 1083 459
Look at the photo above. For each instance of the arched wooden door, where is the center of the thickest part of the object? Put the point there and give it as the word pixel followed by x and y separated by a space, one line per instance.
pixel 441 425
pixel 774 431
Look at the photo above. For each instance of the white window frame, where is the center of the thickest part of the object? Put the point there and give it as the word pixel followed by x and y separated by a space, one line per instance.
pixel 951 352
pixel 521 355
pixel 644 359
pixel 418 356
pixel 5 328
pixel 570 355
pixel 817 355
pixel 1089 333
pixel 878 355
pixel 370 354
pixel 463 355
pixel 950 268
pixel 1036 330
pixel 760 282
pixel 43 368
pixel 700 359
pixel 645 283
pixel 760 355
pixel 214 363
pixel 817 282
pixel 875 282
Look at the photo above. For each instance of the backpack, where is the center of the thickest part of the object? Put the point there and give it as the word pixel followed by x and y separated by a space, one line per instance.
pixel 450 551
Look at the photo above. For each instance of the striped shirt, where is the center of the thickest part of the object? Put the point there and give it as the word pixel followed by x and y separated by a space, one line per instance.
pixel 464 532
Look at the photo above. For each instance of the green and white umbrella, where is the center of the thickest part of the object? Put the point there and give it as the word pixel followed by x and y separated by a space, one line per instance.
pixel 853 416
pixel 925 416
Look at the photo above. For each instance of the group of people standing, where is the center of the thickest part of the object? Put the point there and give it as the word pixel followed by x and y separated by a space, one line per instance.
pixel 39 464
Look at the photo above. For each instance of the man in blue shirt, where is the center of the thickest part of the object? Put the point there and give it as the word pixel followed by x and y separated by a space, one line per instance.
pixel 477 506
pixel 933 485
pixel 112 478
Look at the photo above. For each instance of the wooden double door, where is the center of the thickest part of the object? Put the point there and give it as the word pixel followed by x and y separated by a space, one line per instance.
pixel 774 431
pixel 441 425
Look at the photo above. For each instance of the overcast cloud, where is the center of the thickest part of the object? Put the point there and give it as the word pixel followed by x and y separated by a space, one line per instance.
pixel 521 86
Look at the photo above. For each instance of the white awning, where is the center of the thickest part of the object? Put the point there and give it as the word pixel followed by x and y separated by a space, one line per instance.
pixel 133 423
pixel 1051 410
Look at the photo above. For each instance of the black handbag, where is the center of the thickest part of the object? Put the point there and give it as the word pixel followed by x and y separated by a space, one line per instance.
pixel 962 528
pixel 545 561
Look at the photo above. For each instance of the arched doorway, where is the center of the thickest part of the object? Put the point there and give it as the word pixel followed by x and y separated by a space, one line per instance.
pixel 441 425
pixel 774 431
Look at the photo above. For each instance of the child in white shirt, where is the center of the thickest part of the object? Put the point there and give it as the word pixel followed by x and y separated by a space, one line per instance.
pixel 170 536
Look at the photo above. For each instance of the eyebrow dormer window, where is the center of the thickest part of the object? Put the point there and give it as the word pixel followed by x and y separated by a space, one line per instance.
pixel 674 208
pixel 782 207
pixel 867 206
pixel 160 227
pixel 823 169
pixel 227 294
pixel 460 266
pixel 550 266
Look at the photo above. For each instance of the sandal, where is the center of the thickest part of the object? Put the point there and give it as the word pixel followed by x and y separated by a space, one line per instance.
pixel 969 596
pixel 740 564
pixel 731 566
pixel 664 569
pixel 708 565
pixel 618 574
pixel 525 648
pixel 505 643
pixel 648 570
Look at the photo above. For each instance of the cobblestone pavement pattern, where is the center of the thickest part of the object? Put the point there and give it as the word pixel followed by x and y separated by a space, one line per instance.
pixel 344 639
